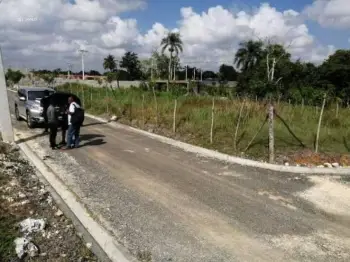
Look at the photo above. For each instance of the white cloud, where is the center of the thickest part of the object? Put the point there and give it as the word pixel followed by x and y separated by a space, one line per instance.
pixel 330 13
pixel 81 26
pixel 216 33
pixel 124 33
pixel 153 37
pixel 84 10
pixel 58 45
pixel 210 38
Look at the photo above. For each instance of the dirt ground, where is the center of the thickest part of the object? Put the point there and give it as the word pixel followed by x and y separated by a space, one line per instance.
pixel 23 196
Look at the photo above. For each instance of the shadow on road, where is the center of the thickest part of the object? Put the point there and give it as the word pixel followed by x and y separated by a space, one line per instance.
pixel 94 124
pixel 84 137
pixel 23 140
pixel 92 140
pixel 95 142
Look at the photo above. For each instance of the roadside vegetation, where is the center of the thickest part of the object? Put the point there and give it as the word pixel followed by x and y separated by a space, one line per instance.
pixel 295 130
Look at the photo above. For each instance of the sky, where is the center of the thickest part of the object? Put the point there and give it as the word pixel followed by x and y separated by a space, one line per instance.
pixel 48 33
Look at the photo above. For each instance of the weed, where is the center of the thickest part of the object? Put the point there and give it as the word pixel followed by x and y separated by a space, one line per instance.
pixel 144 256
pixel 194 119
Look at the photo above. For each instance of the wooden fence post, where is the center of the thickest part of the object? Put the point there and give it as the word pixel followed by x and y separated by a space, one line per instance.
pixel 156 104
pixel 143 110
pixel 237 126
pixel 91 97
pixel 83 94
pixel 337 110
pixel 302 104
pixel 212 121
pixel 174 117
pixel 319 124
pixel 107 100
pixel 271 134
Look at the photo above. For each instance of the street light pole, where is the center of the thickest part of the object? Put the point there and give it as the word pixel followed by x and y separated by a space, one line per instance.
pixel 5 117
pixel 69 70
pixel 82 51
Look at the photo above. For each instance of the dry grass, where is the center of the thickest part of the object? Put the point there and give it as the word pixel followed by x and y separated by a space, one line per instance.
pixel 194 121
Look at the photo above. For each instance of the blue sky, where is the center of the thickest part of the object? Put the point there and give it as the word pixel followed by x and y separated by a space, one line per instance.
pixel 167 12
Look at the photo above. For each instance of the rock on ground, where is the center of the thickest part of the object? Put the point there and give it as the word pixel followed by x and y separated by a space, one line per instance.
pixel 34 226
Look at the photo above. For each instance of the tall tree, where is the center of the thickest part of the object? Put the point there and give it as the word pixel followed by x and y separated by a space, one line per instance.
pixel 49 78
pixel 93 73
pixel 335 73
pixel 13 77
pixel 173 43
pixel 146 68
pixel 131 63
pixel 248 55
pixel 227 73
pixel 209 75
pixel 160 65
pixel 109 63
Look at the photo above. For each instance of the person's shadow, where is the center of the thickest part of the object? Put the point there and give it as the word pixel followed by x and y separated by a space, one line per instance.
pixel 91 140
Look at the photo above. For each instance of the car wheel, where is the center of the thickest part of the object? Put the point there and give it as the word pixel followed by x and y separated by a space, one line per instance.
pixel 30 122
pixel 18 117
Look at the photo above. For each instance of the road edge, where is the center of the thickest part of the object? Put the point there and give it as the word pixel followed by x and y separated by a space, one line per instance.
pixel 204 152
pixel 79 214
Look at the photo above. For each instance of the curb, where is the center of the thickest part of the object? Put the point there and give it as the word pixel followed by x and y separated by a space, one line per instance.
pixel 101 236
pixel 224 157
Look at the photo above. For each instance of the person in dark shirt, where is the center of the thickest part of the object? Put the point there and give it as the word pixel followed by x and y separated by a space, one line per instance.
pixel 45 106
pixel 52 121
pixel 64 126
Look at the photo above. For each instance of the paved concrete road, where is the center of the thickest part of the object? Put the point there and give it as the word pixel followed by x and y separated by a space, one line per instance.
pixel 175 206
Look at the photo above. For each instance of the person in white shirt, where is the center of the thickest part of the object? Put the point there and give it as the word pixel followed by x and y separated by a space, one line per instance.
pixel 73 131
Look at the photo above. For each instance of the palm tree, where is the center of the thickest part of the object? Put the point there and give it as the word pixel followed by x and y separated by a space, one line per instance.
pixel 173 43
pixel 109 63
pixel 248 55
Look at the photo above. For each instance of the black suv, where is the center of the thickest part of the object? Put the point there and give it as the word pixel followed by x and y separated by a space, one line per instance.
pixel 60 100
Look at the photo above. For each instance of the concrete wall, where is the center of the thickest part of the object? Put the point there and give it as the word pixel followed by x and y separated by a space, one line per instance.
pixel 94 83
pixel 122 84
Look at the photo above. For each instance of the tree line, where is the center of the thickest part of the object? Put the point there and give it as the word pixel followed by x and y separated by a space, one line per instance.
pixel 260 69
pixel 293 80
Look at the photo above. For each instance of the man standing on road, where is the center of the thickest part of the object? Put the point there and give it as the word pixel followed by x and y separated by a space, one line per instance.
pixel 64 126
pixel 52 122
pixel 47 93
pixel 74 123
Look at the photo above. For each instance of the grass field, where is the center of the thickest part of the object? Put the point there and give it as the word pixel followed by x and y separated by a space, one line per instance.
pixel 194 116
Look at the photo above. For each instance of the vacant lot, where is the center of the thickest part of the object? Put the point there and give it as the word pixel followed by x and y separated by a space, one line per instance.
pixel 295 125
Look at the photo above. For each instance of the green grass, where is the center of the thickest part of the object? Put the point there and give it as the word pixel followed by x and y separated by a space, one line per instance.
pixel 193 120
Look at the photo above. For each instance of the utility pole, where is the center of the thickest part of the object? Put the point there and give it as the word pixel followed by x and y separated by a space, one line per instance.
pixel 194 73
pixel 5 117
pixel 82 51
pixel 69 70
pixel 186 71
pixel 201 75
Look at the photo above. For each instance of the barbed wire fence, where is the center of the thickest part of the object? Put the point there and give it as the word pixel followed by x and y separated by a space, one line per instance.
pixel 151 106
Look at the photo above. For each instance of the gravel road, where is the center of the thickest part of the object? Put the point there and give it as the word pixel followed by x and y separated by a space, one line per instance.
pixel 164 203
